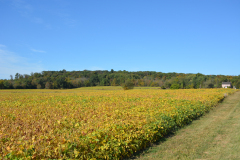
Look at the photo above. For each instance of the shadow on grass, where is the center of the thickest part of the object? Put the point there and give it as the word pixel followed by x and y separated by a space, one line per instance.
pixel 149 148
pixel 137 154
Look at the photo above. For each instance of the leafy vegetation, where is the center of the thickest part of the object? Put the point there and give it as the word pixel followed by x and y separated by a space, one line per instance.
pixel 175 86
pixel 128 85
pixel 76 79
pixel 102 124
pixel 213 136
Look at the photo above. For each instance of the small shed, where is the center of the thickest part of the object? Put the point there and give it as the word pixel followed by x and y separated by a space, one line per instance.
pixel 226 84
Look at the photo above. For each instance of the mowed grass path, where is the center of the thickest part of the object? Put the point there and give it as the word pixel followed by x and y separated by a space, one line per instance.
pixel 214 136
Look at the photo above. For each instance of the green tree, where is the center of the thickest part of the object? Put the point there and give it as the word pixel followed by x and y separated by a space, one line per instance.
pixel 175 86
pixel 114 82
pixel 154 84
pixel 237 85
pixel 17 75
pixel 39 86
pixel 128 85
pixel 1 84
pixel 87 83
pixel 48 85
pixel 94 80
pixel 210 85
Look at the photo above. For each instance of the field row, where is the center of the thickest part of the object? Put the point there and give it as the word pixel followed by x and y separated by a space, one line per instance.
pixel 102 124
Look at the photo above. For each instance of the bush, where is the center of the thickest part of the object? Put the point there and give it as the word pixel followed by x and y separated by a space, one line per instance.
pixel 211 85
pixel 39 86
pixel 128 85
pixel 48 85
pixel 154 84
pixel 175 86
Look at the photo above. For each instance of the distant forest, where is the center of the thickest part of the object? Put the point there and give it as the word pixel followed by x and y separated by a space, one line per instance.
pixel 74 79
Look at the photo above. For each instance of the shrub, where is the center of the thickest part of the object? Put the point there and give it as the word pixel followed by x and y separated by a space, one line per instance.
pixel 128 85
pixel 39 86
pixel 175 86
pixel 48 85
pixel 211 85
pixel 154 84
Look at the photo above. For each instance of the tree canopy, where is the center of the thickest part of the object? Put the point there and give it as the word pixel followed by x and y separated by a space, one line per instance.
pixel 74 79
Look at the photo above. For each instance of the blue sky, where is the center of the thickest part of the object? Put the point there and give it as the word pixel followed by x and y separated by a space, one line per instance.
pixel 184 36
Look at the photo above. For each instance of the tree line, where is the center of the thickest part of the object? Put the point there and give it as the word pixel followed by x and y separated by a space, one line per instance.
pixel 73 79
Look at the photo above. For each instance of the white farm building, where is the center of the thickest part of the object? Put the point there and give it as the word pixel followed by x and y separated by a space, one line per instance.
pixel 226 84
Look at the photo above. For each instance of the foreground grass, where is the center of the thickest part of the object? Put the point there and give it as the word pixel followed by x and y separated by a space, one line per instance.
pixel 214 136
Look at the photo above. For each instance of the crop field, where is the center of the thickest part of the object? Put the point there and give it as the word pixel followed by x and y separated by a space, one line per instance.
pixel 95 123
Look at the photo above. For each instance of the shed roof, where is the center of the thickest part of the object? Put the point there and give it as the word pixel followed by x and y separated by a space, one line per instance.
pixel 226 82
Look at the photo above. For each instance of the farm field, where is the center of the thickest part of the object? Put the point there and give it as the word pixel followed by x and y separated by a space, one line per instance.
pixel 95 122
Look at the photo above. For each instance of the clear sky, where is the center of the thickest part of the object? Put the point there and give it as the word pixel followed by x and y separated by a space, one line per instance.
pixel 183 36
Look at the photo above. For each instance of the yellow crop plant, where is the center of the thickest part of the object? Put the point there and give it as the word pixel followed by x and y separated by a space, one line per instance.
pixel 101 124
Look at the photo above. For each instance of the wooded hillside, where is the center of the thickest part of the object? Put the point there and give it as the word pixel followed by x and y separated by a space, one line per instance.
pixel 86 78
